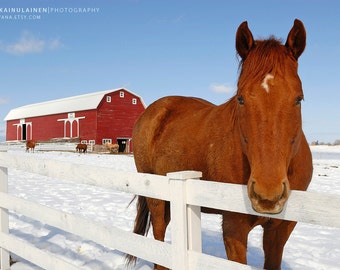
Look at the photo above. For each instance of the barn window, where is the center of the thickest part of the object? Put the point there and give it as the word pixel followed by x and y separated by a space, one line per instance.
pixel 134 101
pixel 108 98
pixel 121 94
pixel 92 142
pixel 104 141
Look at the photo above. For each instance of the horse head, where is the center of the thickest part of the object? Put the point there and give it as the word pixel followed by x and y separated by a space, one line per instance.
pixel 268 113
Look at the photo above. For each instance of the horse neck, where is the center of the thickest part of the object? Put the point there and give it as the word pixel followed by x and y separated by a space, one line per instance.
pixel 227 123
pixel 229 113
pixel 227 150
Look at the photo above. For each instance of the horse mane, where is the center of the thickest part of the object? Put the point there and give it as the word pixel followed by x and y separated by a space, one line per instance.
pixel 267 56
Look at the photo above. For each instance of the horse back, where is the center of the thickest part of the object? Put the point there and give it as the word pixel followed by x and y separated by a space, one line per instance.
pixel 171 132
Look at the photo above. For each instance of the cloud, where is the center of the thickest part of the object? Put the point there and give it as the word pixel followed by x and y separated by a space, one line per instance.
pixel 3 101
pixel 221 88
pixel 28 43
pixel 178 19
pixel 55 44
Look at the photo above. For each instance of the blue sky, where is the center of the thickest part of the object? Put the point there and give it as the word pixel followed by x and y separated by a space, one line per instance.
pixel 158 48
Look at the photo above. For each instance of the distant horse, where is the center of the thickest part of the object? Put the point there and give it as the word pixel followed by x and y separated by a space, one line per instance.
pixel 30 145
pixel 113 148
pixel 81 147
pixel 254 139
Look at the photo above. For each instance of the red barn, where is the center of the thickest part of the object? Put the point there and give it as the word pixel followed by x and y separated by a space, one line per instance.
pixel 95 118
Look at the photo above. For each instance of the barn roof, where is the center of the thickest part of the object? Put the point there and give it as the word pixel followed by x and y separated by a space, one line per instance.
pixel 71 104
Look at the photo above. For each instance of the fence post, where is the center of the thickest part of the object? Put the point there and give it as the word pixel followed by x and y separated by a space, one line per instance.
pixel 181 232
pixel 4 221
pixel 194 228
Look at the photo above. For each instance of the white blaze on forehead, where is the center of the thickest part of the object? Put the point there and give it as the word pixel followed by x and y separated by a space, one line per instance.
pixel 264 84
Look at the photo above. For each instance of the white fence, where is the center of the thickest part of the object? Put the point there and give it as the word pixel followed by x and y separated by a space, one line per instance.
pixel 185 250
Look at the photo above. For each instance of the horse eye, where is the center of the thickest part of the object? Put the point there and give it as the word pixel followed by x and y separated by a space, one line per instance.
pixel 240 100
pixel 298 100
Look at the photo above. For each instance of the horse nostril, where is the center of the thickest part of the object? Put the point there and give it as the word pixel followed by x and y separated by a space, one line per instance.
pixel 285 192
pixel 283 195
pixel 253 194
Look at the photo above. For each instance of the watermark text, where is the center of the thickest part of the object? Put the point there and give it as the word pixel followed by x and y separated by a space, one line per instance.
pixel 37 13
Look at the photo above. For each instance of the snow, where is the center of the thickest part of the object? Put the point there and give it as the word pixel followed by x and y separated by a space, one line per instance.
pixel 309 247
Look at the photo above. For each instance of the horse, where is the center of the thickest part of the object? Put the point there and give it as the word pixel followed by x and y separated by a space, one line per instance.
pixel 254 139
pixel 30 145
pixel 113 148
pixel 81 147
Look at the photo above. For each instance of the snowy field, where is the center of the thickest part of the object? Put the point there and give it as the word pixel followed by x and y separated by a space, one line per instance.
pixel 309 247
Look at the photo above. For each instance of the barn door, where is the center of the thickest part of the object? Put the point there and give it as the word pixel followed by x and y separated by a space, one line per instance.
pixel 23 134
pixel 67 130
pixel 124 145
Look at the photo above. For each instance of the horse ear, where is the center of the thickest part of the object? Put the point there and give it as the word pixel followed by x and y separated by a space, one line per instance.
pixel 244 40
pixel 296 40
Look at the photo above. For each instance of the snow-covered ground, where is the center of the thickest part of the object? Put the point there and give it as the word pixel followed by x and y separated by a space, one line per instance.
pixel 309 247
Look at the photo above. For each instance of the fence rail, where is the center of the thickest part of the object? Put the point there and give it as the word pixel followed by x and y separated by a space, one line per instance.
pixel 185 250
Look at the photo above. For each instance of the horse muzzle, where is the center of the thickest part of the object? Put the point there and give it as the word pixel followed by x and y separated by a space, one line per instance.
pixel 268 200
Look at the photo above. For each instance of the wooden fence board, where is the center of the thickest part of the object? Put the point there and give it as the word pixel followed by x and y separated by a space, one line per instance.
pixel 308 207
pixel 144 184
pixel 124 241
pixel 199 261
pixel 37 256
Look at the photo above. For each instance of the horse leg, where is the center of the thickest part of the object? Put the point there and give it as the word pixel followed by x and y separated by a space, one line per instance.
pixel 275 235
pixel 160 218
pixel 236 228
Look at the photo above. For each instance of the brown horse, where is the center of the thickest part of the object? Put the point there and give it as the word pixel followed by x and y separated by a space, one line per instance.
pixel 113 148
pixel 254 139
pixel 30 145
pixel 81 147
